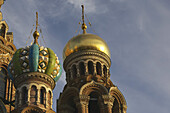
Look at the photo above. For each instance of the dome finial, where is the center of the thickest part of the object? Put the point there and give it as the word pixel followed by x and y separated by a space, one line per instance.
pixel 84 26
pixel 36 33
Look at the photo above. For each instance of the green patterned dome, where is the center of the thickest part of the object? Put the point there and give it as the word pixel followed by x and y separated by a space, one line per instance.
pixel 35 59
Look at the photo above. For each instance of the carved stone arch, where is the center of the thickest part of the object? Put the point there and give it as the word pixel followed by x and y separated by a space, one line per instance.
pixel 32 84
pixel 82 67
pixel 91 68
pixel 25 85
pixel 43 93
pixel 32 109
pixel 2 40
pixel 2 107
pixel 42 85
pixel 11 45
pixel 74 70
pixel 70 91
pixel 115 92
pixel 4 66
pixel 99 69
pixel 6 25
pixel 80 61
pixel 67 102
pixel 93 86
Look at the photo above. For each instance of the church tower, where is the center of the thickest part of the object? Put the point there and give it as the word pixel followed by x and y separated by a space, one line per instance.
pixel 34 70
pixel 89 88
pixel 7 49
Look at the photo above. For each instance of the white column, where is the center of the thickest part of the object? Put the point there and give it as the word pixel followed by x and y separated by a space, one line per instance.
pixel 28 100
pixel 38 95
pixel 86 68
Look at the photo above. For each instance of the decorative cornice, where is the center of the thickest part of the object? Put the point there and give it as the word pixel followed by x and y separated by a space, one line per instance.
pixel 5 58
pixel 34 76
pixel 86 54
pixel 7 49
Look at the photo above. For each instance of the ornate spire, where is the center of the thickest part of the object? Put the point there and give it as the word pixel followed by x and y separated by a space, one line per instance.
pixel 36 33
pixel 1 3
pixel 84 26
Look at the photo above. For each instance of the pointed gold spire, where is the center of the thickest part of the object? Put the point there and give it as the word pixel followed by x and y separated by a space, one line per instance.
pixel 84 26
pixel 36 33
pixel 1 3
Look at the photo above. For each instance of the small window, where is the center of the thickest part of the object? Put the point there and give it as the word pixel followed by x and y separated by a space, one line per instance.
pixel 74 71
pixel 82 68
pixel 98 68
pixel 104 70
pixel 42 95
pixel 33 94
pixel 90 67
pixel 24 95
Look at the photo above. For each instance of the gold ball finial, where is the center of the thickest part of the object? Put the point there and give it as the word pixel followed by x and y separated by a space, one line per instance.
pixel 84 26
pixel 36 34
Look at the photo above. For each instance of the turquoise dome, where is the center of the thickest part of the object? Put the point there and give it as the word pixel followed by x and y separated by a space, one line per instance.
pixel 35 59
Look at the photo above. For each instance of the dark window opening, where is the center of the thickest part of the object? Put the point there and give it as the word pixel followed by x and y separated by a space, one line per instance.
pixel 98 68
pixel 105 71
pixel 115 108
pixel 93 106
pixel 24 95
pixel 90 67
pixel 74 71
pixel 42 96
pixel 33 94
pixel 82 68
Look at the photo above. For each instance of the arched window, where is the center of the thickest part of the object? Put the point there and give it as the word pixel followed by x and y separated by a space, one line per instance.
pixel 90 67
pixel 49 98
pixel 115 108
pixel 70 102
pixel 104 70
pixel 42 95
pixel 24 95
pixel 1 41
pixel 98 68
pixel 74 71
pixel 82 68
pixel 3 69
pixel 93 106
pixel 3 30
pixel 33 94
pixel 10 47
pixel 68 74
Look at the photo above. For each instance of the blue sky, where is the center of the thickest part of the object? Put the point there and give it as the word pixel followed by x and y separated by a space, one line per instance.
pixel 136 31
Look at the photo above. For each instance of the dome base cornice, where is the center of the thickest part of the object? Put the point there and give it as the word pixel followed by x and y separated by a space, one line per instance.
pixel 34 76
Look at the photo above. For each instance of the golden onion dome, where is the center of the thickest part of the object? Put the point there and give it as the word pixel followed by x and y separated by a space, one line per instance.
pixel 84 42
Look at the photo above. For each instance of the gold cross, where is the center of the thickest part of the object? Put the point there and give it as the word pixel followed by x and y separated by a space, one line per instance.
pixel 84 27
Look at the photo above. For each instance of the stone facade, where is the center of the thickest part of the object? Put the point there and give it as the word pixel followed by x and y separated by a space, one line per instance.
pixel 34 93
pixel 89 88
pixel 7 49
